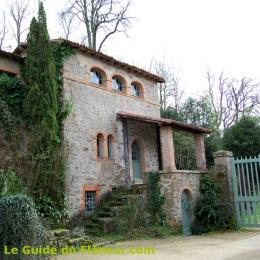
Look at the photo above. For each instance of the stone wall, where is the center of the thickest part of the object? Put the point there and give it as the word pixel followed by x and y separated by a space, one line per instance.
pixel 94 111
pixel 172 185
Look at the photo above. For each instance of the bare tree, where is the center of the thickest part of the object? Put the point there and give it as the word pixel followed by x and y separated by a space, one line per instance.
pixel 66 20
pixel 19 11
pixel 101 18
pixel 3 30
pixel 243 98
pixel 170 92
pixel 232 98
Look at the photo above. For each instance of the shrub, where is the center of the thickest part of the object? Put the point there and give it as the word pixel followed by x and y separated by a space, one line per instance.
pixel 10 183
pixel 20 225
pixel 132 216
pixel 51 214
pixel 212 212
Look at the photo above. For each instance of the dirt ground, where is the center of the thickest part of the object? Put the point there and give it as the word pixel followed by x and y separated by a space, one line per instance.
pixel 229 246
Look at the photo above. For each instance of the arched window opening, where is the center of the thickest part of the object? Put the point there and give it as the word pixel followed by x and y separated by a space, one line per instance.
pixel 110 147
pixel 135 90
pixel 117 84
pixel 100 145
pixel 96 77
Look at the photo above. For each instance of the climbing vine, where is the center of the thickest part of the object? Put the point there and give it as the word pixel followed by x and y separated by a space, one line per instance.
pixel 61 51
pixel 11 99
pixel 155 199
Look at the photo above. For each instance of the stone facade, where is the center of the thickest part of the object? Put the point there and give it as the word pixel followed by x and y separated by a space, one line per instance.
pixel 117 120
pixel 95 111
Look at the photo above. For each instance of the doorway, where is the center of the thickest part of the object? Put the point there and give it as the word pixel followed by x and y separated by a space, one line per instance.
pixel 136 161
pixel 186 213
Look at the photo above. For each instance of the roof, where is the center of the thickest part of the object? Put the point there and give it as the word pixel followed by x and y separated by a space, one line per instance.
pixel 10 55
pixel 164 122
pixel 103 57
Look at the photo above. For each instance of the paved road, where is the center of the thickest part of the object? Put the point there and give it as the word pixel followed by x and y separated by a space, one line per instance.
pixel 226 246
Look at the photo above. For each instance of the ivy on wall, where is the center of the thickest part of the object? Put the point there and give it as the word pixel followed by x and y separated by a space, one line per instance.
pixel 155 199
pixel 37 103
pixel 11 100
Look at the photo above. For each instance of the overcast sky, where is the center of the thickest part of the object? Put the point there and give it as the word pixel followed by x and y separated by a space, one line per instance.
pixel 190 35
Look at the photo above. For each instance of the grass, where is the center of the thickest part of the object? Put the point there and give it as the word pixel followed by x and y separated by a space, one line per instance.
pixel 141 233
pixel 250 219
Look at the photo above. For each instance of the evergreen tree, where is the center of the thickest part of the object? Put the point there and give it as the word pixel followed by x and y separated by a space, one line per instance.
pixel 41 108
pixel 243 138
pixel 41 102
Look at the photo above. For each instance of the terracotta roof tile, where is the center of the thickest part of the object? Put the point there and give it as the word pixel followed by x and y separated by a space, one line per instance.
pixel 105 58
pixel 164 121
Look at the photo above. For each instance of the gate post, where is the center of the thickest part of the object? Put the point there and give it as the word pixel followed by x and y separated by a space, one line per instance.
pixel 223 163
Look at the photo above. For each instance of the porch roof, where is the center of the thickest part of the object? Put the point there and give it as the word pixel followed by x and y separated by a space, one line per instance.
pixel 164 122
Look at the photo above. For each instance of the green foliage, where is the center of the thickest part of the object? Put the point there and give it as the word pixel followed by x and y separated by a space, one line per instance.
pixel 11 99
pixel 212 211
pixel 41 100
pixel 132 216
pixel 171 113
pixel 155 199
pixel 10 183
pixel 52 216
pixel 213 143
pixel 45 111
pixel 20 226
pixel 184 150
pixel 243 138
pixel 197 112
pixel 61 51
pixel 12 93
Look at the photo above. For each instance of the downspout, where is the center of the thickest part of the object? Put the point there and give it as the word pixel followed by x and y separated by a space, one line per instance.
pixel 159 151
pixel 126 155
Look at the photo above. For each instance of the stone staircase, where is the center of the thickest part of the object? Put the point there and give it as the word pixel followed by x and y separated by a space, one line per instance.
pixel 104 220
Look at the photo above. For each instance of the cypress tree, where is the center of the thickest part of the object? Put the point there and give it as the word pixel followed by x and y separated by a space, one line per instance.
pixel 41 108
pixel 41 102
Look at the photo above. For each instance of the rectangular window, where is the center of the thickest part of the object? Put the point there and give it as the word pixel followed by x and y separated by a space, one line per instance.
pixel 90 201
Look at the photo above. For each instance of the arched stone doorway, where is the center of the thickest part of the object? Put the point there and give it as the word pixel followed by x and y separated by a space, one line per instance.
pixel 186 212
pixel 136 160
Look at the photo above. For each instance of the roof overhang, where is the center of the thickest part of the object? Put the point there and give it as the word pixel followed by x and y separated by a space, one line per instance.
pixel 164 122
pixel 101 56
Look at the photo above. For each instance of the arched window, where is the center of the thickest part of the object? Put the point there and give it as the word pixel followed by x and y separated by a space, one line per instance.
pixel 136 89
pixel 96 77
pixel 110 151
pixel 100 146
pixel 117 84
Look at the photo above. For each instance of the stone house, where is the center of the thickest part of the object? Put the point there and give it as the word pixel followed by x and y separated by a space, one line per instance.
pixel 115 133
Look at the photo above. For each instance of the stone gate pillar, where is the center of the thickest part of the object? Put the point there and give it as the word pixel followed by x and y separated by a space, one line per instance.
pixel 223 164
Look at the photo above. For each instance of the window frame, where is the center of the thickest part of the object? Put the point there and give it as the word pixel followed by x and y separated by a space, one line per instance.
pixel 90 208
pixel 98 76
pixel 119 83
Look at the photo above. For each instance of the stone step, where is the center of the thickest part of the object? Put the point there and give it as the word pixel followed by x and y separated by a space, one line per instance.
pixel 107 224
pixel 105 214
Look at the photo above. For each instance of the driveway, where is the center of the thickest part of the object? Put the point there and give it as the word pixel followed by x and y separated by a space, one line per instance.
pixel 229 246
